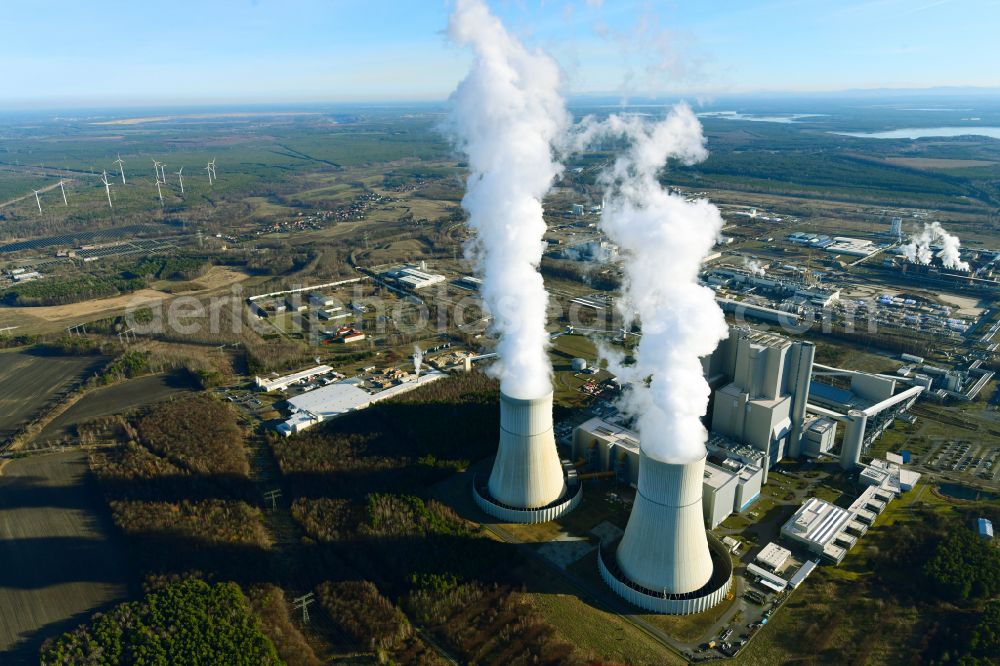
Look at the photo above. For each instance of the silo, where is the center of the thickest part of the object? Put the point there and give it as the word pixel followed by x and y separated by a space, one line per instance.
pixel 665 547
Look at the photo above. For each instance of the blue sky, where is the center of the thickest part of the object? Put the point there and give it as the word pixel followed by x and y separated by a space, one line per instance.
pixel 64 52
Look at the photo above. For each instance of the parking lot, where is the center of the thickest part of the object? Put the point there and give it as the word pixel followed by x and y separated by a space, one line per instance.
pixel 966 458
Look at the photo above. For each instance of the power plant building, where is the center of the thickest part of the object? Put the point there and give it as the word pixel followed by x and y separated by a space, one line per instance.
pixel 818 437
pixel 733 475
pixel 762 385
pixel 718 494
pixel 821 528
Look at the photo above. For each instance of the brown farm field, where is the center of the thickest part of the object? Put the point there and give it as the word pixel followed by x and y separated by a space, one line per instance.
pixel 934 163
pixel 29 380
pixel 115 399
pixel 60 564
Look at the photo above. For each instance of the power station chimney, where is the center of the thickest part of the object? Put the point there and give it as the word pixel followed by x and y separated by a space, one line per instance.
pixel 527 483
pixel 665 546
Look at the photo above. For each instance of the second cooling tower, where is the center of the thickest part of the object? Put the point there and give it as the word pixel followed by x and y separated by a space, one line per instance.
pixel 666 562
pixel 527 484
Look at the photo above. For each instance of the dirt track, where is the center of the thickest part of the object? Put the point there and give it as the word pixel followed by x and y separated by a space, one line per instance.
pixel 59 565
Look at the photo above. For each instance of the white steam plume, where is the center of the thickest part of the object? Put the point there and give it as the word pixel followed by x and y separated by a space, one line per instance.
pixel 753 266
pixel 504 116
pixel 418 359
pixel 663 240
pixel 918 250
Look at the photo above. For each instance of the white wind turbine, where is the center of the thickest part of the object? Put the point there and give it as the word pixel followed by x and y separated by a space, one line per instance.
pixel 38 201
pixel 63 188
pixel 121 166
pixel 159 192
pixel 212 164
pixel 180 179
pixel 156 169
pixel 209 169
pixel 107 187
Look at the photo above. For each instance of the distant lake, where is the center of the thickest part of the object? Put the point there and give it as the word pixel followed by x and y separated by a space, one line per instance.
pixel 760 118
pixel 921 132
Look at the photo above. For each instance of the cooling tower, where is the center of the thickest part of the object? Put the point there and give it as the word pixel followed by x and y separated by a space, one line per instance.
pixel 664 546
pixel 527 484
pixel 527 473
pixel 666 562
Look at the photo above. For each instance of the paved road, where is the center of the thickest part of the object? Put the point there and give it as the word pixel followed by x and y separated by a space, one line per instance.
pixel 59 564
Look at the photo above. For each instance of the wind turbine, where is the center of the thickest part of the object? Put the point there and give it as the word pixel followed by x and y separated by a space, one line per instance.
pixel 61 187
pixel 160 192
pixel 156 169
pixel 38 201
pixel 180 179
pixel 121 166
pixel 107 187
pixel 163 173
pixel 212 164
pixel 209 170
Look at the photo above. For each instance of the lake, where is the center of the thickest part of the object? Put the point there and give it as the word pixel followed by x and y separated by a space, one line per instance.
pixel 964 492
pixel 922 132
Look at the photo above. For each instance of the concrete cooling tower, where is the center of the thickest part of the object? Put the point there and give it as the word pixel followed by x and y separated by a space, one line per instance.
pixel 527 484
pixel 666 561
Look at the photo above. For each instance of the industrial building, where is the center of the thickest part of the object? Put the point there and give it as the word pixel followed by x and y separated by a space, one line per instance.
pixel 773 557
pixel 821 528
pixel 339 398
pixel 283 382
pixel 412 278
pixel 528 481
pixel 732 478
pixel 818 436
pixel 761 388
pixel 867 407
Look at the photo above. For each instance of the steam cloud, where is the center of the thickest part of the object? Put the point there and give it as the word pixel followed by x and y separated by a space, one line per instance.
pixel 918 250
pixel 753 266
pixel 505 115
pixel 418 359
pixel 663 239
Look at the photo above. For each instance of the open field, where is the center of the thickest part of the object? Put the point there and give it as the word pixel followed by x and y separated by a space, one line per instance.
pixel 34 319
pixel 28 380
pixel 932 163
pixel 59 563
pixel 114 399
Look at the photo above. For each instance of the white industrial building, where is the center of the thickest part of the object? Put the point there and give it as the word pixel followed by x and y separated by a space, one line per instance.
pixel 818 436
pixel 718 494
pixel 413 278
pixel 773 557
pixel 337 399
pixel 281 383
pixel 821 528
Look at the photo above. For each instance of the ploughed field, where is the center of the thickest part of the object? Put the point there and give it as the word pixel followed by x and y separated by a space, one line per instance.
pixel 30 381
pixel 59 563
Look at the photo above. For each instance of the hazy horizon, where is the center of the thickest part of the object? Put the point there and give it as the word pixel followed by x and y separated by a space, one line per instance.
pixel 266 52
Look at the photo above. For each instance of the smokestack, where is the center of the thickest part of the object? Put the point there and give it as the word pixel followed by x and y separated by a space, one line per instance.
pixel 527 473
pixel 665 546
